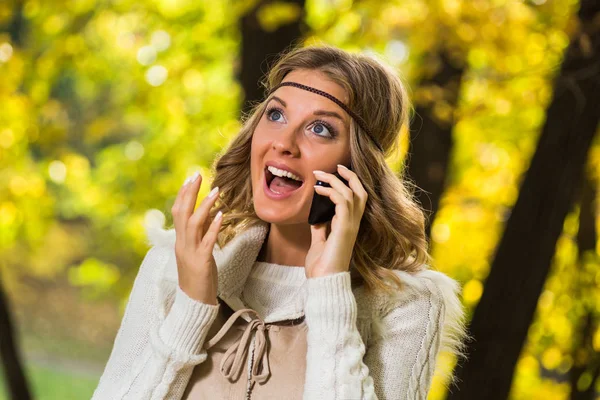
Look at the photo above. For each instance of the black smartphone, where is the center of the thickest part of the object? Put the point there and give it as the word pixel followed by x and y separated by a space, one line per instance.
pixel 322 208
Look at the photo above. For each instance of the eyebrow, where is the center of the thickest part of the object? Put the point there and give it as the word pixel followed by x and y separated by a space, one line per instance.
pixel 317 112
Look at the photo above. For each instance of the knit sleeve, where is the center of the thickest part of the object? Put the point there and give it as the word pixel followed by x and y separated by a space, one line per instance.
pixel 156 348
pixel 335 350
pixel 427 319
pixel 400 361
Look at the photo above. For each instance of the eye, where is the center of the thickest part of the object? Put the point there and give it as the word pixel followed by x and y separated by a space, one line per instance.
pixel 274 113
pixel 321 126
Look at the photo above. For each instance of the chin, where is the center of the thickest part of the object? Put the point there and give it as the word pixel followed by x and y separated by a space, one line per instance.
pixel 278 216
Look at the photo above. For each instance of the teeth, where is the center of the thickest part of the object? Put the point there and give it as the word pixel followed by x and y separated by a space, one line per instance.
pixel 283 173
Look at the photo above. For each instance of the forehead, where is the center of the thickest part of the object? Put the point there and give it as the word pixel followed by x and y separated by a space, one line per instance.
pixel 315 79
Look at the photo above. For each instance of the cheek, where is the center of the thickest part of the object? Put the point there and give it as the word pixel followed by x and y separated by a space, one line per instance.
pixel 261 135
pixel 260 146
pixel 257 155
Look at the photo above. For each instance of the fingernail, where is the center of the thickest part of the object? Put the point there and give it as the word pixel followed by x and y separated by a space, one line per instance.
pixel 318 172
pixel 340 165
pixel 191 178
pixel 213 192
pixel 219 215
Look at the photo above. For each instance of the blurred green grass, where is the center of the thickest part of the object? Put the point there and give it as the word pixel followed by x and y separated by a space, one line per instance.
pixel 58 366
pixel 48 383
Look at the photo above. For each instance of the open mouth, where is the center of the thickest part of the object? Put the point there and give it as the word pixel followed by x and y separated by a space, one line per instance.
pixel 281 185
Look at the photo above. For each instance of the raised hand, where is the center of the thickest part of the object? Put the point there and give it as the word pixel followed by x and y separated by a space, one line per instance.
pixel 195 240
pixel 330 254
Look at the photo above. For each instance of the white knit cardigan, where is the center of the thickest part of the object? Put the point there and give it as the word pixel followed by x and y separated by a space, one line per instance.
pixel 359 346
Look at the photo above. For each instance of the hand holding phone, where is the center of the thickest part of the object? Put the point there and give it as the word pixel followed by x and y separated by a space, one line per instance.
pixel 322 208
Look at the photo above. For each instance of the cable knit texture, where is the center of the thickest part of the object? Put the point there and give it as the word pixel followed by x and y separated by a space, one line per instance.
pixel 359 345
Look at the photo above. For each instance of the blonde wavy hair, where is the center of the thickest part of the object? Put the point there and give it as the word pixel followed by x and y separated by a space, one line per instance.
pixel 392 230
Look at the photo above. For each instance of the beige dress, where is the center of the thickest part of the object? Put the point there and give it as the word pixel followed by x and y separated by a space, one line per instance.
pixel 250 360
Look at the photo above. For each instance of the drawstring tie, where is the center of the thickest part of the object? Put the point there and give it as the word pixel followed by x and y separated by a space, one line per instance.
pixel 232 362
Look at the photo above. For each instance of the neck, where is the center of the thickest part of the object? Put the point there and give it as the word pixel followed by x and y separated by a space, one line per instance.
pixel 286 244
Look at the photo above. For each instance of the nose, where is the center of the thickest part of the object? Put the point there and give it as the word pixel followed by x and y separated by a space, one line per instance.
pixel 286 141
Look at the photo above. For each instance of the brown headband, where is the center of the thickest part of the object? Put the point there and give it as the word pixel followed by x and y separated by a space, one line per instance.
pixel 358 120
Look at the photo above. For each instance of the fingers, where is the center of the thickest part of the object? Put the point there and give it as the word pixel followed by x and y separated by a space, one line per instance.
pixel 193 229
pixel 354 187
pixel 178 220
pixel 184 206
pixel 210 238
pixel 336 184
pixel 353 182
pixel 198 222
pixel 190 195
pixel 336 198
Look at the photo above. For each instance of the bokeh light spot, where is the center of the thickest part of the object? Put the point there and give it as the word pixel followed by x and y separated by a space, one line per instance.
pixel 94 272
pixel 440 232
pixel 146 55
pixel 193 81
pixel 472 291
pixel 125 40
pixel 156 75
pixel 396 51
pixel 57 171
pixel 6 52
pixel 134 150
pixel 551 358
pixel 7 138
pixel 18 185
pixel 8 213
pixel 160 40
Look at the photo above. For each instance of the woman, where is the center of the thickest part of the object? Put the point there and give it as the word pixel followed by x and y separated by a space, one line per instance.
pixel 347 309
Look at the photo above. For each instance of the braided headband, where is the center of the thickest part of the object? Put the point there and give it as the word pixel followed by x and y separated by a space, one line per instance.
pixel 358 120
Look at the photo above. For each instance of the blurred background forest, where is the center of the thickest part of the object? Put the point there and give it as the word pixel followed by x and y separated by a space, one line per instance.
pixel 107 106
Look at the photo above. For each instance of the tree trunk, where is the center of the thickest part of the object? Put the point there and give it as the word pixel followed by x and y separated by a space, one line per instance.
pixel 431 144
pixel 259 47
pixel 502 317
pixel 11 363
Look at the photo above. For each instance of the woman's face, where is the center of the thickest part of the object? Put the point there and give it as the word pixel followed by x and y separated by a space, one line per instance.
pixel 305 132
